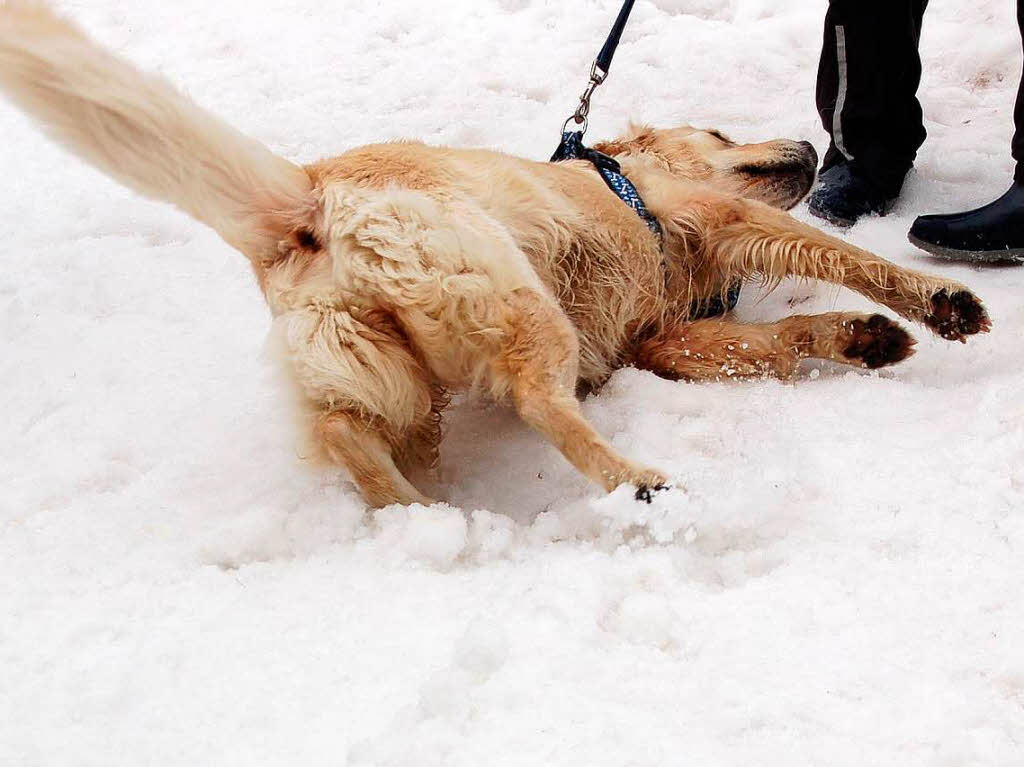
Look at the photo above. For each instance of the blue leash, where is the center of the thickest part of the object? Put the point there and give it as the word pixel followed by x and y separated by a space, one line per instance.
pixel 573 148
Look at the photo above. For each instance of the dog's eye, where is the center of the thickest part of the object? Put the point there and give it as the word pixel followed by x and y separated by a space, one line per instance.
pixel 720 136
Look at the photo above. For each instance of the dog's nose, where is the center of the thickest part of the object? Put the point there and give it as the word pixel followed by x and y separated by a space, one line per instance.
pixel 811 151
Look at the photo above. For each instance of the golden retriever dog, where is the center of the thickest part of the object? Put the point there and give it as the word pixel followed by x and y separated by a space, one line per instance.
pixel 397 273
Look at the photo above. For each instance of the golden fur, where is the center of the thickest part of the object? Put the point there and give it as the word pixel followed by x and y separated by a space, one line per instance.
pixel 399 272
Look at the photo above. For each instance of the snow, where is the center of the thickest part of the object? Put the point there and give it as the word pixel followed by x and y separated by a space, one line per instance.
pixel 836 578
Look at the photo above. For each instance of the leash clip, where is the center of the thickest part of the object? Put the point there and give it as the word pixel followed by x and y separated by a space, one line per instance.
pixel 582 114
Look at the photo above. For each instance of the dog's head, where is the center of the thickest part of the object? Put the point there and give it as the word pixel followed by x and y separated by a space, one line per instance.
pixel 779 173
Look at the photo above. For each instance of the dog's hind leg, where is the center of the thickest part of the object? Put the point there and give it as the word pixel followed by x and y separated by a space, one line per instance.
pixel 476 312
pixel 372 400
pixel 718 349
pixel 355 442
pixel 744 238
pixel 538 365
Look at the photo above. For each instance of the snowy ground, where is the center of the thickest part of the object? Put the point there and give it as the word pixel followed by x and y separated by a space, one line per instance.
pixel 836 580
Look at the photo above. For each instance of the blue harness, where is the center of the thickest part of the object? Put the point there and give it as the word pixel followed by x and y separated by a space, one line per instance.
pixel 572 148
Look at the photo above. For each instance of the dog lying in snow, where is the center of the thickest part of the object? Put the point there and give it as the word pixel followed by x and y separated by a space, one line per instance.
pixel 399 272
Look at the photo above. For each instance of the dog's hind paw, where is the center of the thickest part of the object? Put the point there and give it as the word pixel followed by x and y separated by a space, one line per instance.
pixel 956 316
pixel 877 342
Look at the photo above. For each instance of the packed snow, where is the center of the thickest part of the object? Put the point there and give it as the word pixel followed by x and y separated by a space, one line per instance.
pixel 837 577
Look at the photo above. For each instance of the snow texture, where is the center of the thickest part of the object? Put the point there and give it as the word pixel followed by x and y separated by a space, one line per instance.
pixel 836 579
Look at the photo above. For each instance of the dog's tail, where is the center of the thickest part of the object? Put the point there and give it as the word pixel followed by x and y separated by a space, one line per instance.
pixel 140 130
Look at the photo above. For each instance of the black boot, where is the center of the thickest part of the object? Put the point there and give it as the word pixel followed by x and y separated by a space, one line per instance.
pixel 992 233
pixel 843 195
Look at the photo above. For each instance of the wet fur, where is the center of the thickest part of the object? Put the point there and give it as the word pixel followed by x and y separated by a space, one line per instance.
pixel 400 272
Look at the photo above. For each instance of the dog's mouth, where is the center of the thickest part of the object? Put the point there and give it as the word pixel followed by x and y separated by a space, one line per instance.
pixel 776 170
pixel 784 180
pixel 800 161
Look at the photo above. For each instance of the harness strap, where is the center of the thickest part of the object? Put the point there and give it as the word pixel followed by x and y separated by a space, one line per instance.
pixel 572 148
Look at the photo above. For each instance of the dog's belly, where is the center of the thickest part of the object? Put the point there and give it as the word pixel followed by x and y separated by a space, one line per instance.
pixel 610 282
pixel 597 257
pixel 610 299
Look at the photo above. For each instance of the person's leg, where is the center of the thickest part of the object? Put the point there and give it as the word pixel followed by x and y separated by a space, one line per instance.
pixel 830 95
pixel 1018 110
pixel 994 232
pixel 868 77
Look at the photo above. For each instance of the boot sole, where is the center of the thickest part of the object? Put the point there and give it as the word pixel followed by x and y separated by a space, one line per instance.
pixel 846 223
pixel 1010 255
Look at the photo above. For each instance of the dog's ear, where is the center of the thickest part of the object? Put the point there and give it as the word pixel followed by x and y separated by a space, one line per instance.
pixel 639 132
pixel 612 148
pixel 637 138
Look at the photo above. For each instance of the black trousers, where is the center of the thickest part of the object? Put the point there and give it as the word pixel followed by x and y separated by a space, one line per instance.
pixel 867 88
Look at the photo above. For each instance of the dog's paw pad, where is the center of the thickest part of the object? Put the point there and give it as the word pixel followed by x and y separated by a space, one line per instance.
pixel 645 494
pixel 877 342
pixel 954 317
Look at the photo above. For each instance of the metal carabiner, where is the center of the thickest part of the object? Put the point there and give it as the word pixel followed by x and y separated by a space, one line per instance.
pixel 582 114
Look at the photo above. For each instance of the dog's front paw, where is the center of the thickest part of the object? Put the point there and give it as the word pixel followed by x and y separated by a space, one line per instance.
pixel 646 494
pixel 956 316
pixel 648 484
